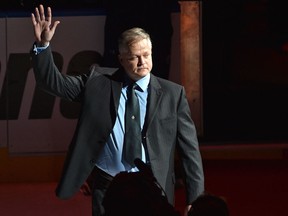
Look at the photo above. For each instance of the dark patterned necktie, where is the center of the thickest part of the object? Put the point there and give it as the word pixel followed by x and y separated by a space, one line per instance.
pixel 132 139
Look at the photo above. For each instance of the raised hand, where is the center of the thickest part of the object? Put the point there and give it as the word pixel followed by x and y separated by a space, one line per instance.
pixel 43 27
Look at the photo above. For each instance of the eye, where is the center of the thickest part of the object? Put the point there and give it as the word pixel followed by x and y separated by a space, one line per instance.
pixel 147 55
pixel 132 58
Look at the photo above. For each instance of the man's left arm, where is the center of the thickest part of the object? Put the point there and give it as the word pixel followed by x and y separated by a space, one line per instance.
pixel 188 149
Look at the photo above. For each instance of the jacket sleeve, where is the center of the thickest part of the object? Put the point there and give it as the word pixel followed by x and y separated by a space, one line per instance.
pixel 51 80
pixel 188 149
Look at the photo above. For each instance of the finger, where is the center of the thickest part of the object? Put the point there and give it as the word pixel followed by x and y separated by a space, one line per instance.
pixel 49 15
pixel 33 19
pixel 37 15
pixel 42 13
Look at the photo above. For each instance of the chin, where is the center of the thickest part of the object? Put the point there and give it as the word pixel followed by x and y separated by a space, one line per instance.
pixel 143 72
pixel 141 75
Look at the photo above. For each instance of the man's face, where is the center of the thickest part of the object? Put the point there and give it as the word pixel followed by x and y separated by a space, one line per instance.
pixel 137 61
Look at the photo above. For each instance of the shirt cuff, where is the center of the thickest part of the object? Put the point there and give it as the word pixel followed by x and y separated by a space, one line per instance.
pixel 38 49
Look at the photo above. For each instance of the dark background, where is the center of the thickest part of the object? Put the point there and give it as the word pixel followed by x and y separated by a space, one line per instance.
pixel 245 64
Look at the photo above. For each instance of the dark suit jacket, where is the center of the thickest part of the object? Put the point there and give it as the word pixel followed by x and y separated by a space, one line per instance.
pixel 168 125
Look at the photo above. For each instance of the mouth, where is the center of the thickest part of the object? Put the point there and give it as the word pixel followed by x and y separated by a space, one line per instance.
pixel 142 68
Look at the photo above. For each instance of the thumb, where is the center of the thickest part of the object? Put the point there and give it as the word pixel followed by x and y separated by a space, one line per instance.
pixel 54 26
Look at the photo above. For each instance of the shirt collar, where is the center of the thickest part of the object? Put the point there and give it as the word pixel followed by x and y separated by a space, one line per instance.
pixel 144 82
pixel 141 83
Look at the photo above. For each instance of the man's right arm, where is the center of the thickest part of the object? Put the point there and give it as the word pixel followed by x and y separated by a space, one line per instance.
pixel 50 79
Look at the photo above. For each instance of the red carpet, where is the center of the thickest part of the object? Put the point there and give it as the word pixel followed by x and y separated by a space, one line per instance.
pixel 40 200
pixel 251 188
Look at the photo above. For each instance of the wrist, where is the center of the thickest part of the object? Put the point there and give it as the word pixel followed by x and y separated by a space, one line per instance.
pixel 38 48
pixel 42 44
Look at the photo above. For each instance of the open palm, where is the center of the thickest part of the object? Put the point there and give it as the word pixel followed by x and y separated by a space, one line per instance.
pixel 43 27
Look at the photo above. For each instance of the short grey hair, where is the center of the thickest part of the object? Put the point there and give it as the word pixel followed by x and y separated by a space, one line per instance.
pixel 130 36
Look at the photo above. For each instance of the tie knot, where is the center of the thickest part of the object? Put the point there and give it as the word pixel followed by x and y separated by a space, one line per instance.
pixel 132 87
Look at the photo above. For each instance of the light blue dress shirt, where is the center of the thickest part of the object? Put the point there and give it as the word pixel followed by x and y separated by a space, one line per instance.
pixel 110 159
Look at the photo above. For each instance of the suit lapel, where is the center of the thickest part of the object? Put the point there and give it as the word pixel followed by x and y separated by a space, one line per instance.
pixel 116 86
pixel 154 99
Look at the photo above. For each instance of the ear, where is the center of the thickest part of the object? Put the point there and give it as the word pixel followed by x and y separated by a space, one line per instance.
pixel 120 59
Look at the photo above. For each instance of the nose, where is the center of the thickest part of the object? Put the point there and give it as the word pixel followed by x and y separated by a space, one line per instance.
pixel 140 60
